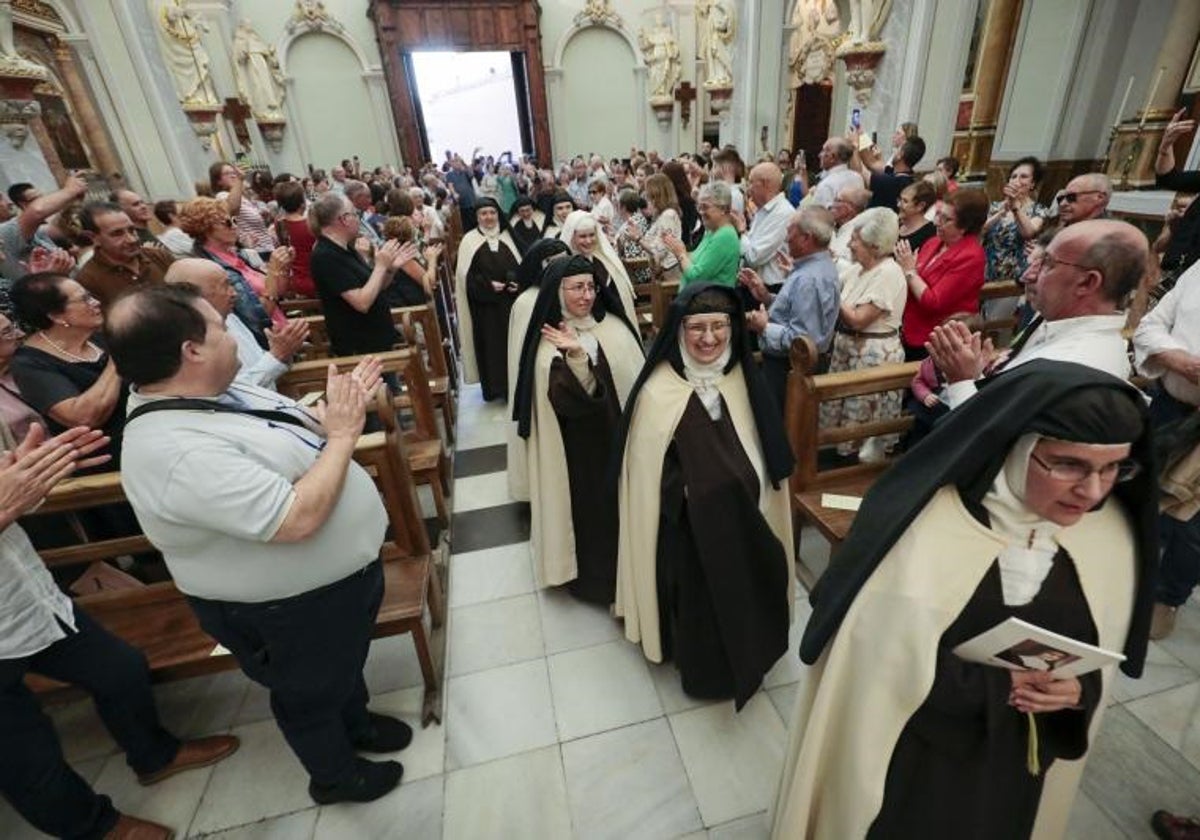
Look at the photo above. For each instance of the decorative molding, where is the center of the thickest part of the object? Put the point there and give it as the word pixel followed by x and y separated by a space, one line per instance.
pixel 312 16
pixel 598 13
pixel 38 11
pixel 15 116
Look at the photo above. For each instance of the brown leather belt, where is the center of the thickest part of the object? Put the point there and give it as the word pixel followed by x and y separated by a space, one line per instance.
pixel 858 334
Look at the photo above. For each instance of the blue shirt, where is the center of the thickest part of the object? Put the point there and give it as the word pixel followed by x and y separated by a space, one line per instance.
pixel 806 305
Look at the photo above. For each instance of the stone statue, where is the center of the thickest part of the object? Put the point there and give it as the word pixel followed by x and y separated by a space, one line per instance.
pixel 867 18
pixel 184 53
pixel 813 43
pixel 661 51
pixel 718 29
pixel 259 80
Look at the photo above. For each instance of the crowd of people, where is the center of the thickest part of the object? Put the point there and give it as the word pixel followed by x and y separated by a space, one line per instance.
pixel 148 337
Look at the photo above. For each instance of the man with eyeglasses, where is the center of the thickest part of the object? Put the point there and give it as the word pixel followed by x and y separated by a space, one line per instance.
pixel 120 261
pixel 836 174
pixel 1086 197
pixel 850 202
pixel 1088 272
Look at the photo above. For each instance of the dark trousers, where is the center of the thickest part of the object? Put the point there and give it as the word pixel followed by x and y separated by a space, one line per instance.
pixel 309 650
pixel 1179 569
pixel 34 776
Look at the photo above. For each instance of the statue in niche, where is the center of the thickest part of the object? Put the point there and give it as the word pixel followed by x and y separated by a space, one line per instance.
pixel 259 80
pixel 661 51
pixel 184 53
pixel 817 26
pixel 867 18
pixel 718 29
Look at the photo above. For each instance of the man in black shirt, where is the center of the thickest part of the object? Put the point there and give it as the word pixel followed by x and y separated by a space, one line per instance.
pixel 1183 249
pixel 356 312
pixel 887 182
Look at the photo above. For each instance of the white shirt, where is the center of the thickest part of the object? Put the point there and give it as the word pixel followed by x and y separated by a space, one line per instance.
pixel 1094 341
pixel 258 366
pixel 1172 325
pixel 177 242
pixel 767 234
pixel 211 490
pixel 833 181
pixel 839 247
pixel 31 605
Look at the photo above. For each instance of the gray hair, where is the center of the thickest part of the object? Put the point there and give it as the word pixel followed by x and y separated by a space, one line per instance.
pixel 878 228
pixel 325 211
pixel 717 192
pixel 1098 181
pixel 816 221
pixel 859 197
pixel 842 148
pixel 353 188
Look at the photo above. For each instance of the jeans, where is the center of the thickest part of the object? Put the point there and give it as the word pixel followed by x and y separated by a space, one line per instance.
pixel 309 650
pixel 1179 566
pixel 34 776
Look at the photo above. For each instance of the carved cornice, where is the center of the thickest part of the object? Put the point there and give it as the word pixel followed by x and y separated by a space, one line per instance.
pixel 598 13
pixel 312 16
pixel 39 10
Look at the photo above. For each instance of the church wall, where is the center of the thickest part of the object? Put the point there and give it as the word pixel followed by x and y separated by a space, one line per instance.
pixel 584 99
pixel 944 68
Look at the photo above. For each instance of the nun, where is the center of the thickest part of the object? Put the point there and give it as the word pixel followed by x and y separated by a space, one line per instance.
pixel 484 288
pixel 704 562
pixel 563 206
pixel 1034 500
pixel 583 236
pixel 526 224
pixel 578 363
pixel 529 276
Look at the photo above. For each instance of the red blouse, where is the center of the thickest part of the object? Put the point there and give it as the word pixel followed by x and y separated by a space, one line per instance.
pixel 954 277
pixel 301 238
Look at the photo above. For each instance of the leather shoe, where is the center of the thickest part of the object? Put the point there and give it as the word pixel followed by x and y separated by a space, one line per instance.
pixel 192 754
pixel 131 828
pixel 1162 621
pixel 369 781
pixel 1170 827
pixel 387 735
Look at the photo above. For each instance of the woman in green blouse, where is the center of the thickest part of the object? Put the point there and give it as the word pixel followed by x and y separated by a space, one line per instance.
pixel 715 259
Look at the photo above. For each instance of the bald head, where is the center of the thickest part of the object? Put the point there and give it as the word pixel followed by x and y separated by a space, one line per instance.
pixel 1085 197
pixel 766 181
pixel 1094 267
pixel 207 278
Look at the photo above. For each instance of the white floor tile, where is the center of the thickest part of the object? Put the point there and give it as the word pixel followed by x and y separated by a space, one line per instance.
pixel 1089 822
pixel 568 623
pixel 262 779
pixel 171 802
pixel 255 707
pixel 481 491
pixel 788 667
pixel 478 576
pixel 670 689
pixel 601 687
pixel 80 730
pixel 1172 714
pixel 733 759
pixel 488 429
pixel 426 755
pixel 495 633
pixel 753 827
pixel 1184 643
pixel 496 713
pixel 628 784
pixel 412 811
pixel 524 796
pixel 298 825
pixel 1162 671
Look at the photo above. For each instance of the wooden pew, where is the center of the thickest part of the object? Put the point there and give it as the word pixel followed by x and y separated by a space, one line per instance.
pixel 301 306
pixel 420 327
pixel 643 293
pixel 157 620
pixel 662 295
pixel 809 482
pixel 999 290
pixel 427 457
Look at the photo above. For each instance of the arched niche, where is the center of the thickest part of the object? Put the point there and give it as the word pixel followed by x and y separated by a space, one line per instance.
pixel 595 116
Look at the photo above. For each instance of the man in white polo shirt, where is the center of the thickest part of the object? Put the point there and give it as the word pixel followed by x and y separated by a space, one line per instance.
pixel 266 524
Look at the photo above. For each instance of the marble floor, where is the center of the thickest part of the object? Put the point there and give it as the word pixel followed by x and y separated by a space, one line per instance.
pixel 555 727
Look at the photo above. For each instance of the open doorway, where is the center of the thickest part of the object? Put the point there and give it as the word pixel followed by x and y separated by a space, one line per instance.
pixel 470 100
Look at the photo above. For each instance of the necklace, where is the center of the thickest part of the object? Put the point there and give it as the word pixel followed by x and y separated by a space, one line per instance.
pixel 64 351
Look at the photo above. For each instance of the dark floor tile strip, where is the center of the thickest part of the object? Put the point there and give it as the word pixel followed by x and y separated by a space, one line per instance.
pixel 480 461
pixel 475 530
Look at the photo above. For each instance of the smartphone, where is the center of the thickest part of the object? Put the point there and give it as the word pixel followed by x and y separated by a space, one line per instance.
pixel 856 119
pixel 800 159
pixel 874 138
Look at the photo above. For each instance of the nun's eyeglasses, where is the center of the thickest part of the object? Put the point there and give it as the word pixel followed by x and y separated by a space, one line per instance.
pixel 1077 472
pixel 698 330
pixel 581 288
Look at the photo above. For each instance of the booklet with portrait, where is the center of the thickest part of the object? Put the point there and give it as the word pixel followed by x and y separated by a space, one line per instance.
pixel 1021 646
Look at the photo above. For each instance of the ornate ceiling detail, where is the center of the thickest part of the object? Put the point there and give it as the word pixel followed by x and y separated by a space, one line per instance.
pixel 598 13
pixel 312 16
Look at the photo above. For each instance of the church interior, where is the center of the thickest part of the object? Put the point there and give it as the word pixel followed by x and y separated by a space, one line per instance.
pixel 534 712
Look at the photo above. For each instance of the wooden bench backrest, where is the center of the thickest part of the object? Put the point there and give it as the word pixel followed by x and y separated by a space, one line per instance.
pixel 802 412
pixel 429 336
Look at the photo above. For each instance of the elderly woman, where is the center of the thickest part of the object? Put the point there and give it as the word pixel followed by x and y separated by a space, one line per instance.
pixel 632 225
pixel 414 283
pixel 1031 501
pixel 16 413
pixel 249 216
pixel 61 372
pixel 716 258
pixel 485 287
pixel 945 275
pixel 704 565
pixel 578 363
pixel 663 206
pixel 258 293
pixel 583 236
pixel 868 329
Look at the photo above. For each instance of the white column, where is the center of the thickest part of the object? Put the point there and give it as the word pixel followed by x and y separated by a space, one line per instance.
pixel 381 110
pixel 553 76
pixel 939 97
pixel 639 86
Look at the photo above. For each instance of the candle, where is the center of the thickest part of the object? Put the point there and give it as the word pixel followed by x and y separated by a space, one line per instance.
pixel 1124 102
pixel 1150 98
